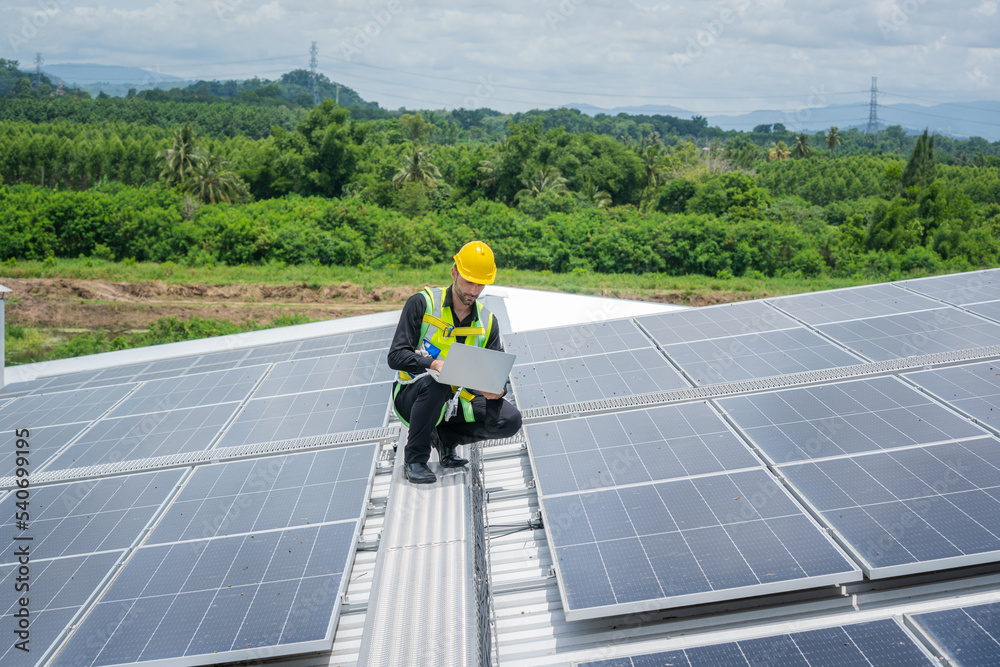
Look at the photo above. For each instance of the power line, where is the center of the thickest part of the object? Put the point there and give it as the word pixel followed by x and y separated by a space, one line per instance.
pixel 313 78
pixel 873 110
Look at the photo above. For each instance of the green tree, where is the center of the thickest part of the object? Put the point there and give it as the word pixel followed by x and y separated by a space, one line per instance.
pixel 832 139
pixel 547 179
pixel 919 171
pixel 213 183
pixel 183 155
pixel 802 147
pixel 418 169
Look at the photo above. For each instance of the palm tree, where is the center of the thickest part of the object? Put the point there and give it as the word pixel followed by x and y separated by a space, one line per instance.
pixel 183 155
pixel 213 183
pixel 417 168
pixel 832 139
pixel 543 180
pixel 802 147
pixel 601 198
pixel 778 151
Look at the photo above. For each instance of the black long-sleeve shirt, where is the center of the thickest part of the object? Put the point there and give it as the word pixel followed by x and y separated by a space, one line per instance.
pixel 406 341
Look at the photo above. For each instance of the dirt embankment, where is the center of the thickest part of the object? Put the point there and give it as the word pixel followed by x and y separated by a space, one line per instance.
pixel 62 303
pixel 90 304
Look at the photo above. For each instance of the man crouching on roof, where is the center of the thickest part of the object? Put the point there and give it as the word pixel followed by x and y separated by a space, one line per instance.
pixel 431 322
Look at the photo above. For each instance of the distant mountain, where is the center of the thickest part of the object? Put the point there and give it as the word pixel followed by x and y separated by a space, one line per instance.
pixel 959 119
pixel 86 74
pixel 644 110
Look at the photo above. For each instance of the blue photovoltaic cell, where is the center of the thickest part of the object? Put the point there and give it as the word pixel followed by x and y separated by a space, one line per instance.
pixel 142 436
pixel 87 517
pixel 990 309
pixel 967 636
pixel 575 341
pixel 685 542
pixel 216 600
pixel 66 407
pixel 630 447
pixel 843 418
pixel 972 388
pixel 881 642
pixel 852 304
pixel 758 355
pixel 730 319
pixel 910 334
pixel 309 414
pixel 58 588
pixel 624 373
pixel 269 493
pixel 342 370
pixel 960 289
pixel 189 391
pixel 911 510
pixel 44 443
pixel 359 341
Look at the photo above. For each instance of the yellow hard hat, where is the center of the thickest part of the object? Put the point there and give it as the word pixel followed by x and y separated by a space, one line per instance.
pixel 475 263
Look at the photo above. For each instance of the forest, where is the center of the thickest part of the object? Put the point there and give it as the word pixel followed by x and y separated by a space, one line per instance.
pixel 255 172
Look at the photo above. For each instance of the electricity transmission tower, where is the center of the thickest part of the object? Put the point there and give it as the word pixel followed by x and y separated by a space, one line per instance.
pixel 873 110
pixel 313 76
pixel 39 61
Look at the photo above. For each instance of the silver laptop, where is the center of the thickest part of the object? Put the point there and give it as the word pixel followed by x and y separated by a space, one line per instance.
pixel 476 368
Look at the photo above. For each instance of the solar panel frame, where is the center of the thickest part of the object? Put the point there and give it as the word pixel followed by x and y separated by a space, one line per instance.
pixel 763 522
pixel 578 340
pixel 971 388
pixel 968 636
pixel 719 321
pixel 842 418
pixel 620 373
pixel 959 289
pixel 852 303
pixel 944 329
pixel 190 391
pixel 878 642
pixel 326 372
pixel 911 510
pixel 50 409
pixel 779 352
pixel 988 309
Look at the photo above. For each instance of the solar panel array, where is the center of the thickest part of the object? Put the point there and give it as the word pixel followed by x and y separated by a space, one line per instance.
pixel 966 636
pixel 882 476
pixel 882 642
pixel 193 563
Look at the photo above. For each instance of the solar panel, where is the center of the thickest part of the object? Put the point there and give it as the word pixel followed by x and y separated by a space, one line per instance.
pixel 684 542
pixel 910 334
pixel 972 388
pixel 269 493
pixel 758 355
pixel 58 589
pixel 852 303
pixel 342 370
pixel 633 447
pixel 731 319
pixel 966 636
pixel 309 414
pixel 141 436
pixel 188 391
pixel 843 418
pixel 68 407
pixel 575 341
pixel 87 517
pixel 243 597
pixel 960 289
pixel 910 510
pixel 597 376
pixel 990 309
pixel 46 442
pixel 882 642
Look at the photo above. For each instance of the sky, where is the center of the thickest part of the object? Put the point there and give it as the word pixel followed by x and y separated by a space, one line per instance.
pixel 730 57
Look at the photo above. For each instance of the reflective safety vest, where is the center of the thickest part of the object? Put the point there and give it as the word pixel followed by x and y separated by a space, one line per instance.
pixel 437 334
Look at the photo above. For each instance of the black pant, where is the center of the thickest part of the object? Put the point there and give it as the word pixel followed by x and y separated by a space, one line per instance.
pixel 420 403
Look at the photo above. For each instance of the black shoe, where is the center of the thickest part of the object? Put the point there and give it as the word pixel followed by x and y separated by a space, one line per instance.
pixel 452 460
pixel 419 473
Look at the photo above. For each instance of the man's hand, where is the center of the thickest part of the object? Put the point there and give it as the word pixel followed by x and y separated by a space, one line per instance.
pixel 491 397
pixel 437 365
